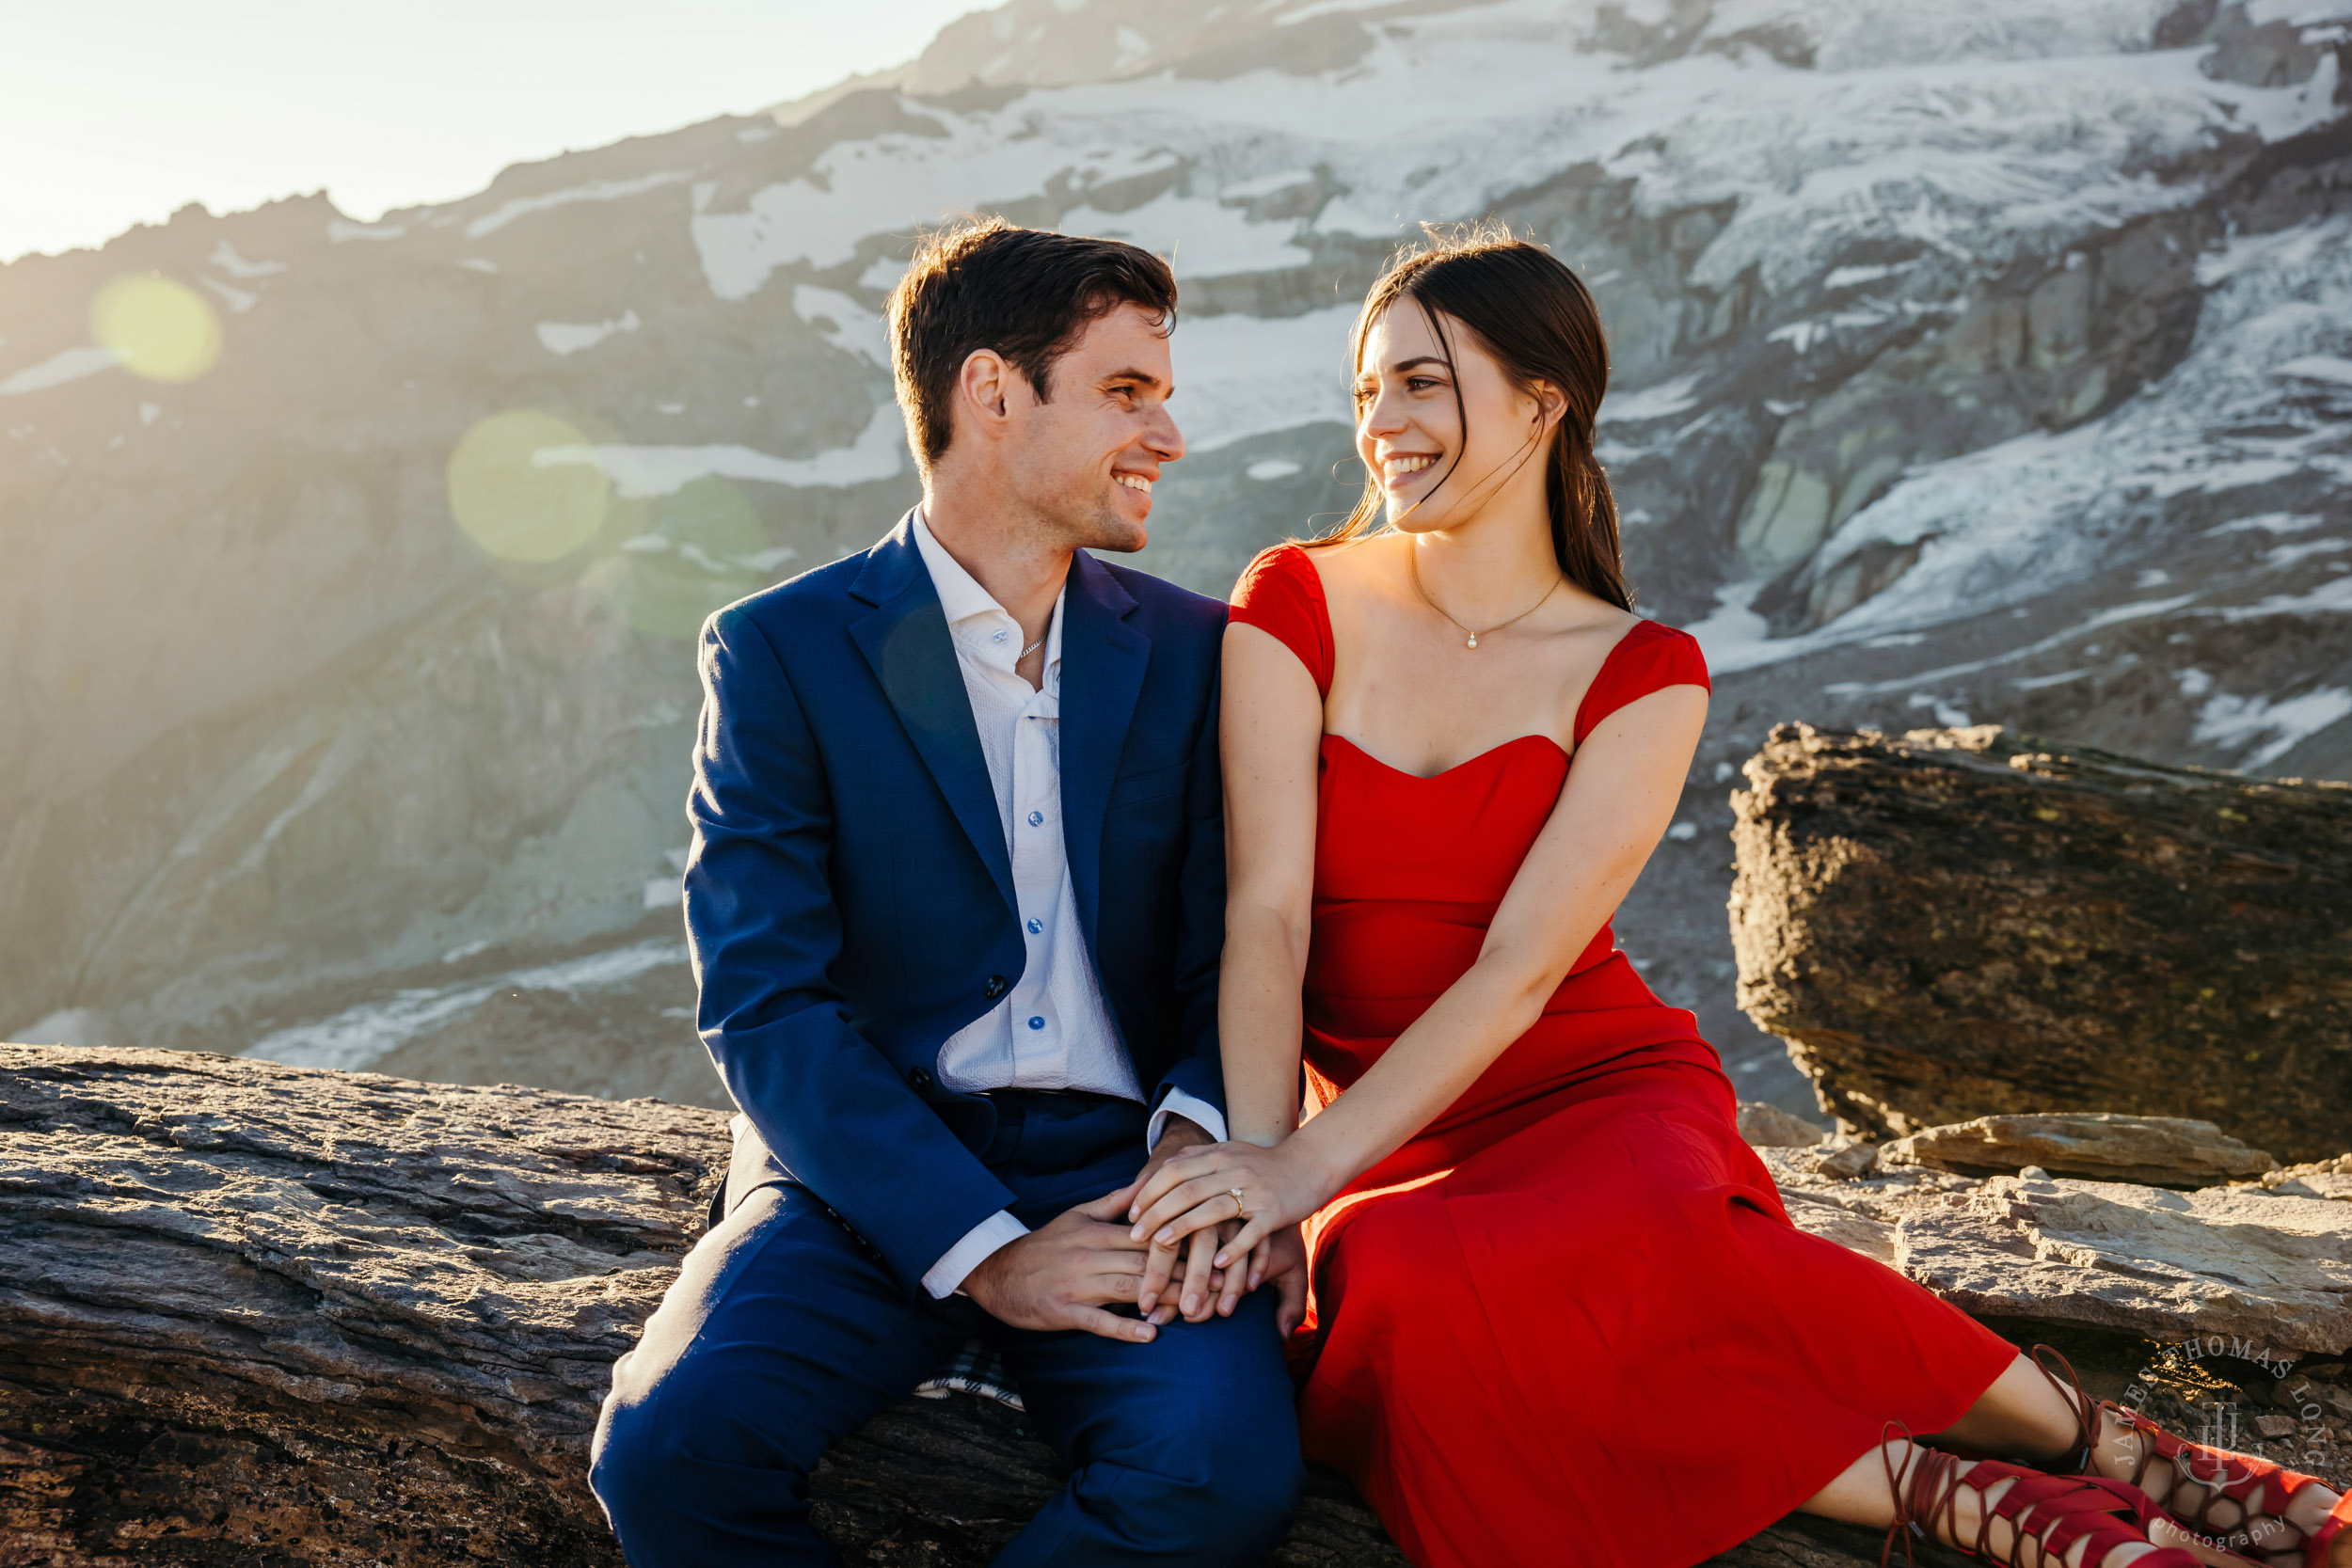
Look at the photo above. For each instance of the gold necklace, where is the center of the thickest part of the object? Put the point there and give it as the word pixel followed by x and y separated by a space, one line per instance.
pixel 1412 565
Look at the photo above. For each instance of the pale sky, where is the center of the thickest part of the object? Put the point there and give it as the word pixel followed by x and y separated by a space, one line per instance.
pixel 116 112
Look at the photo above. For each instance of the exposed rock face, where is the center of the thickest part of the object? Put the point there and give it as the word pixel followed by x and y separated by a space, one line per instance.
pixel 269 1315
pixel 1768 1126
pixel 1987 361
pixel 2200 1309
pixel 1955 923
pixel 2234 1263
pixel 2156 1151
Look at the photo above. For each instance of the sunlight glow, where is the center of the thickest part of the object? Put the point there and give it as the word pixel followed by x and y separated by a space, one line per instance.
pixel 515 508
pixel 157 328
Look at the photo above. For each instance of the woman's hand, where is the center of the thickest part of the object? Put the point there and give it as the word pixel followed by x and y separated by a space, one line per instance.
pixel 1268 1189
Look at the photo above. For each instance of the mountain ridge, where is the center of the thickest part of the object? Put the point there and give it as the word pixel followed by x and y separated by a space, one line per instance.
pixel 1987 367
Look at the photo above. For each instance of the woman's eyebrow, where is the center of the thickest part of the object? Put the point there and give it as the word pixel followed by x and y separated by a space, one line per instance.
pixel 1404 365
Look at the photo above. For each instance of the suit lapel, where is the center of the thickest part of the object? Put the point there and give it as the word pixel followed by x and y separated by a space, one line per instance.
pixel 905 640
pixel 1103 661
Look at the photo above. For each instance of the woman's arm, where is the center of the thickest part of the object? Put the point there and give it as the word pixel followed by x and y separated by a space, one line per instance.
pixel 1620 795
pixel 1270 738
pixel 1272 735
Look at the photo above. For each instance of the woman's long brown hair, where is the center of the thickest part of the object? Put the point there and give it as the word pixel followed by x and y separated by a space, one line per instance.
pixel 1537 320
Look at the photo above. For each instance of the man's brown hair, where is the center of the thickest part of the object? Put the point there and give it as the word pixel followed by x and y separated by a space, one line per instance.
pixel 1028 293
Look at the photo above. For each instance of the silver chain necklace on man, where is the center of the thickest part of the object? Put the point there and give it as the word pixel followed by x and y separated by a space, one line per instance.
pixel 1412 565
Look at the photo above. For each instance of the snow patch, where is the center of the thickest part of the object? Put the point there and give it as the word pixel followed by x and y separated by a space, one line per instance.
pixel 238 301
pixel 358 1038
pixel 2320 366
pixel 2272 522
pixel 225 257
pixel 1660 401
pixel 2232 720
pixel 641 471
pixel 1200 238
pixel 2279 557
pixel 1238 376
pixel 563 338
pixel 58 368
pixel 1271 468
pixel 596 190
pixel 844 323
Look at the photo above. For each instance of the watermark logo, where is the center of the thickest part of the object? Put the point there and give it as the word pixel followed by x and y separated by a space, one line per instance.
pixel 2221 1421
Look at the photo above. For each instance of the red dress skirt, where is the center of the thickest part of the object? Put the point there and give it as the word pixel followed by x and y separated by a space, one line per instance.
pixel 1570 1321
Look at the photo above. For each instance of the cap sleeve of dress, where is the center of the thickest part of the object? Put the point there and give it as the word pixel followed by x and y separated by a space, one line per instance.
pixel 1650 657
pixel 1281 594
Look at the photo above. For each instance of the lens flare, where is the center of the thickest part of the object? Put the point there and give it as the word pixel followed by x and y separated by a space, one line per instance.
pixel 157 328
pixel 701 548
pixel 516 507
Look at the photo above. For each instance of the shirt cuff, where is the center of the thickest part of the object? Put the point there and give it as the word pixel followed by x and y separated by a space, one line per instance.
pixel 978 1243
pixel 1210 1120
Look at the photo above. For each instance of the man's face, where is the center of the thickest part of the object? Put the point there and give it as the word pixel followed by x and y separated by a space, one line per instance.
pixel 1083 462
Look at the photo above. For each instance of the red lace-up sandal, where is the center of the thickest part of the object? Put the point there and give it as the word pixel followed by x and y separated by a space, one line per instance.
pixel 2217 1475
pixel 2053 1512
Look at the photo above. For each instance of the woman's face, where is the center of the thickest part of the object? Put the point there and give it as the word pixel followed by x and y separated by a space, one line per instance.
pixel 1409 430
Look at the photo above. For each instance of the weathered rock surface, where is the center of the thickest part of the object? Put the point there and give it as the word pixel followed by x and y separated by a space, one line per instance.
pixel 2232 1261
pixel 1765 1125
pixel 264 1315
pixel 2099 1146
pixel 2318 1178
pixel 1955 923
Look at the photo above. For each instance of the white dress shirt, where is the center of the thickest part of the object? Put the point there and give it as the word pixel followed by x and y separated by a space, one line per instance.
pixel 1052 1030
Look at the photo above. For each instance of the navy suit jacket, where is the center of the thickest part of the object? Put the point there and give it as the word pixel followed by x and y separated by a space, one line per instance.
pixel 849 894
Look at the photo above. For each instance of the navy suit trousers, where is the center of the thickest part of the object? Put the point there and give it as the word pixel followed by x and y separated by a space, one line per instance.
pixel 781 1335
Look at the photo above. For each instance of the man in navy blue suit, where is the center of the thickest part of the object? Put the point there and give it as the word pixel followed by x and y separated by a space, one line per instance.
pixel 956 900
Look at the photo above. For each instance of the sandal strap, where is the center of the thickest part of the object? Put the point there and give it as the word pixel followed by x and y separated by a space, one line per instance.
pixel 2230 1475
pixel 2338 1522
pixel 2057 1512
pixel 2086 1413
pixel 1922 1488
pixel 2053 1512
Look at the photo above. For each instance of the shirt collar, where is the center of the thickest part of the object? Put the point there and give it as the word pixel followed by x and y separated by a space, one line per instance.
pixel 961 597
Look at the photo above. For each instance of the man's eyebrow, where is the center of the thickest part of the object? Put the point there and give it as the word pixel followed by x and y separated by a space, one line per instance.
pixel 1131 374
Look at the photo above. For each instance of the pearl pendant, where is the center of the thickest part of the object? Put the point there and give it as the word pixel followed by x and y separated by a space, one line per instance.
pixel 1473 641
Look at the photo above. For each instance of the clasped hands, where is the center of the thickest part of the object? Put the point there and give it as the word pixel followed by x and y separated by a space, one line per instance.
pixel 1066 1274
pixel 1241 1204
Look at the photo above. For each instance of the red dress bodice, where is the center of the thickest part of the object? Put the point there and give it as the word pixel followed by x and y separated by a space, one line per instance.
pixel 1409 870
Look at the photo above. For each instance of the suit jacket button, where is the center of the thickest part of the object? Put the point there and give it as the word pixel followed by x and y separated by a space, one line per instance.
pixel 919 1078
pixel 997 987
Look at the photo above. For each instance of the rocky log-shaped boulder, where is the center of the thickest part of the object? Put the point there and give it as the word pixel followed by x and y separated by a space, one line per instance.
pixel 1956 924
pixel 274 1316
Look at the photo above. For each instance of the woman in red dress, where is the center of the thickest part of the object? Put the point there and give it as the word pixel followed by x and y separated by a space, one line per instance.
pixel 1560 1312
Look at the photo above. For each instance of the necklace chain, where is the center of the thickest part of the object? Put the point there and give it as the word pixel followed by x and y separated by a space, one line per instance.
pixel 1412 565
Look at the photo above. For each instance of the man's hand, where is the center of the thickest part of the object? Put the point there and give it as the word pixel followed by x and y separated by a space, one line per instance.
pixel 1197 1289
pixel 1058 1276
pixel 1279 1260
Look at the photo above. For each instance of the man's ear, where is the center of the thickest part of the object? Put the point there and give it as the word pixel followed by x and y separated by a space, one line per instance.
pixel 981 387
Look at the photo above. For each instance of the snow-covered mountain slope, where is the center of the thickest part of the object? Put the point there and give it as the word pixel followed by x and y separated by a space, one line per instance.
pixel 1984 363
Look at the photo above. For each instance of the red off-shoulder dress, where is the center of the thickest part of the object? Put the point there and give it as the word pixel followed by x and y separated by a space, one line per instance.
pixel 1570 1321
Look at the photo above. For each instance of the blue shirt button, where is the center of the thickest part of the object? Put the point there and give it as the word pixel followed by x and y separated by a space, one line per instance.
pixel 1037 819
pixel 997 636
pixel 1036 925
pixel 1037 1023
